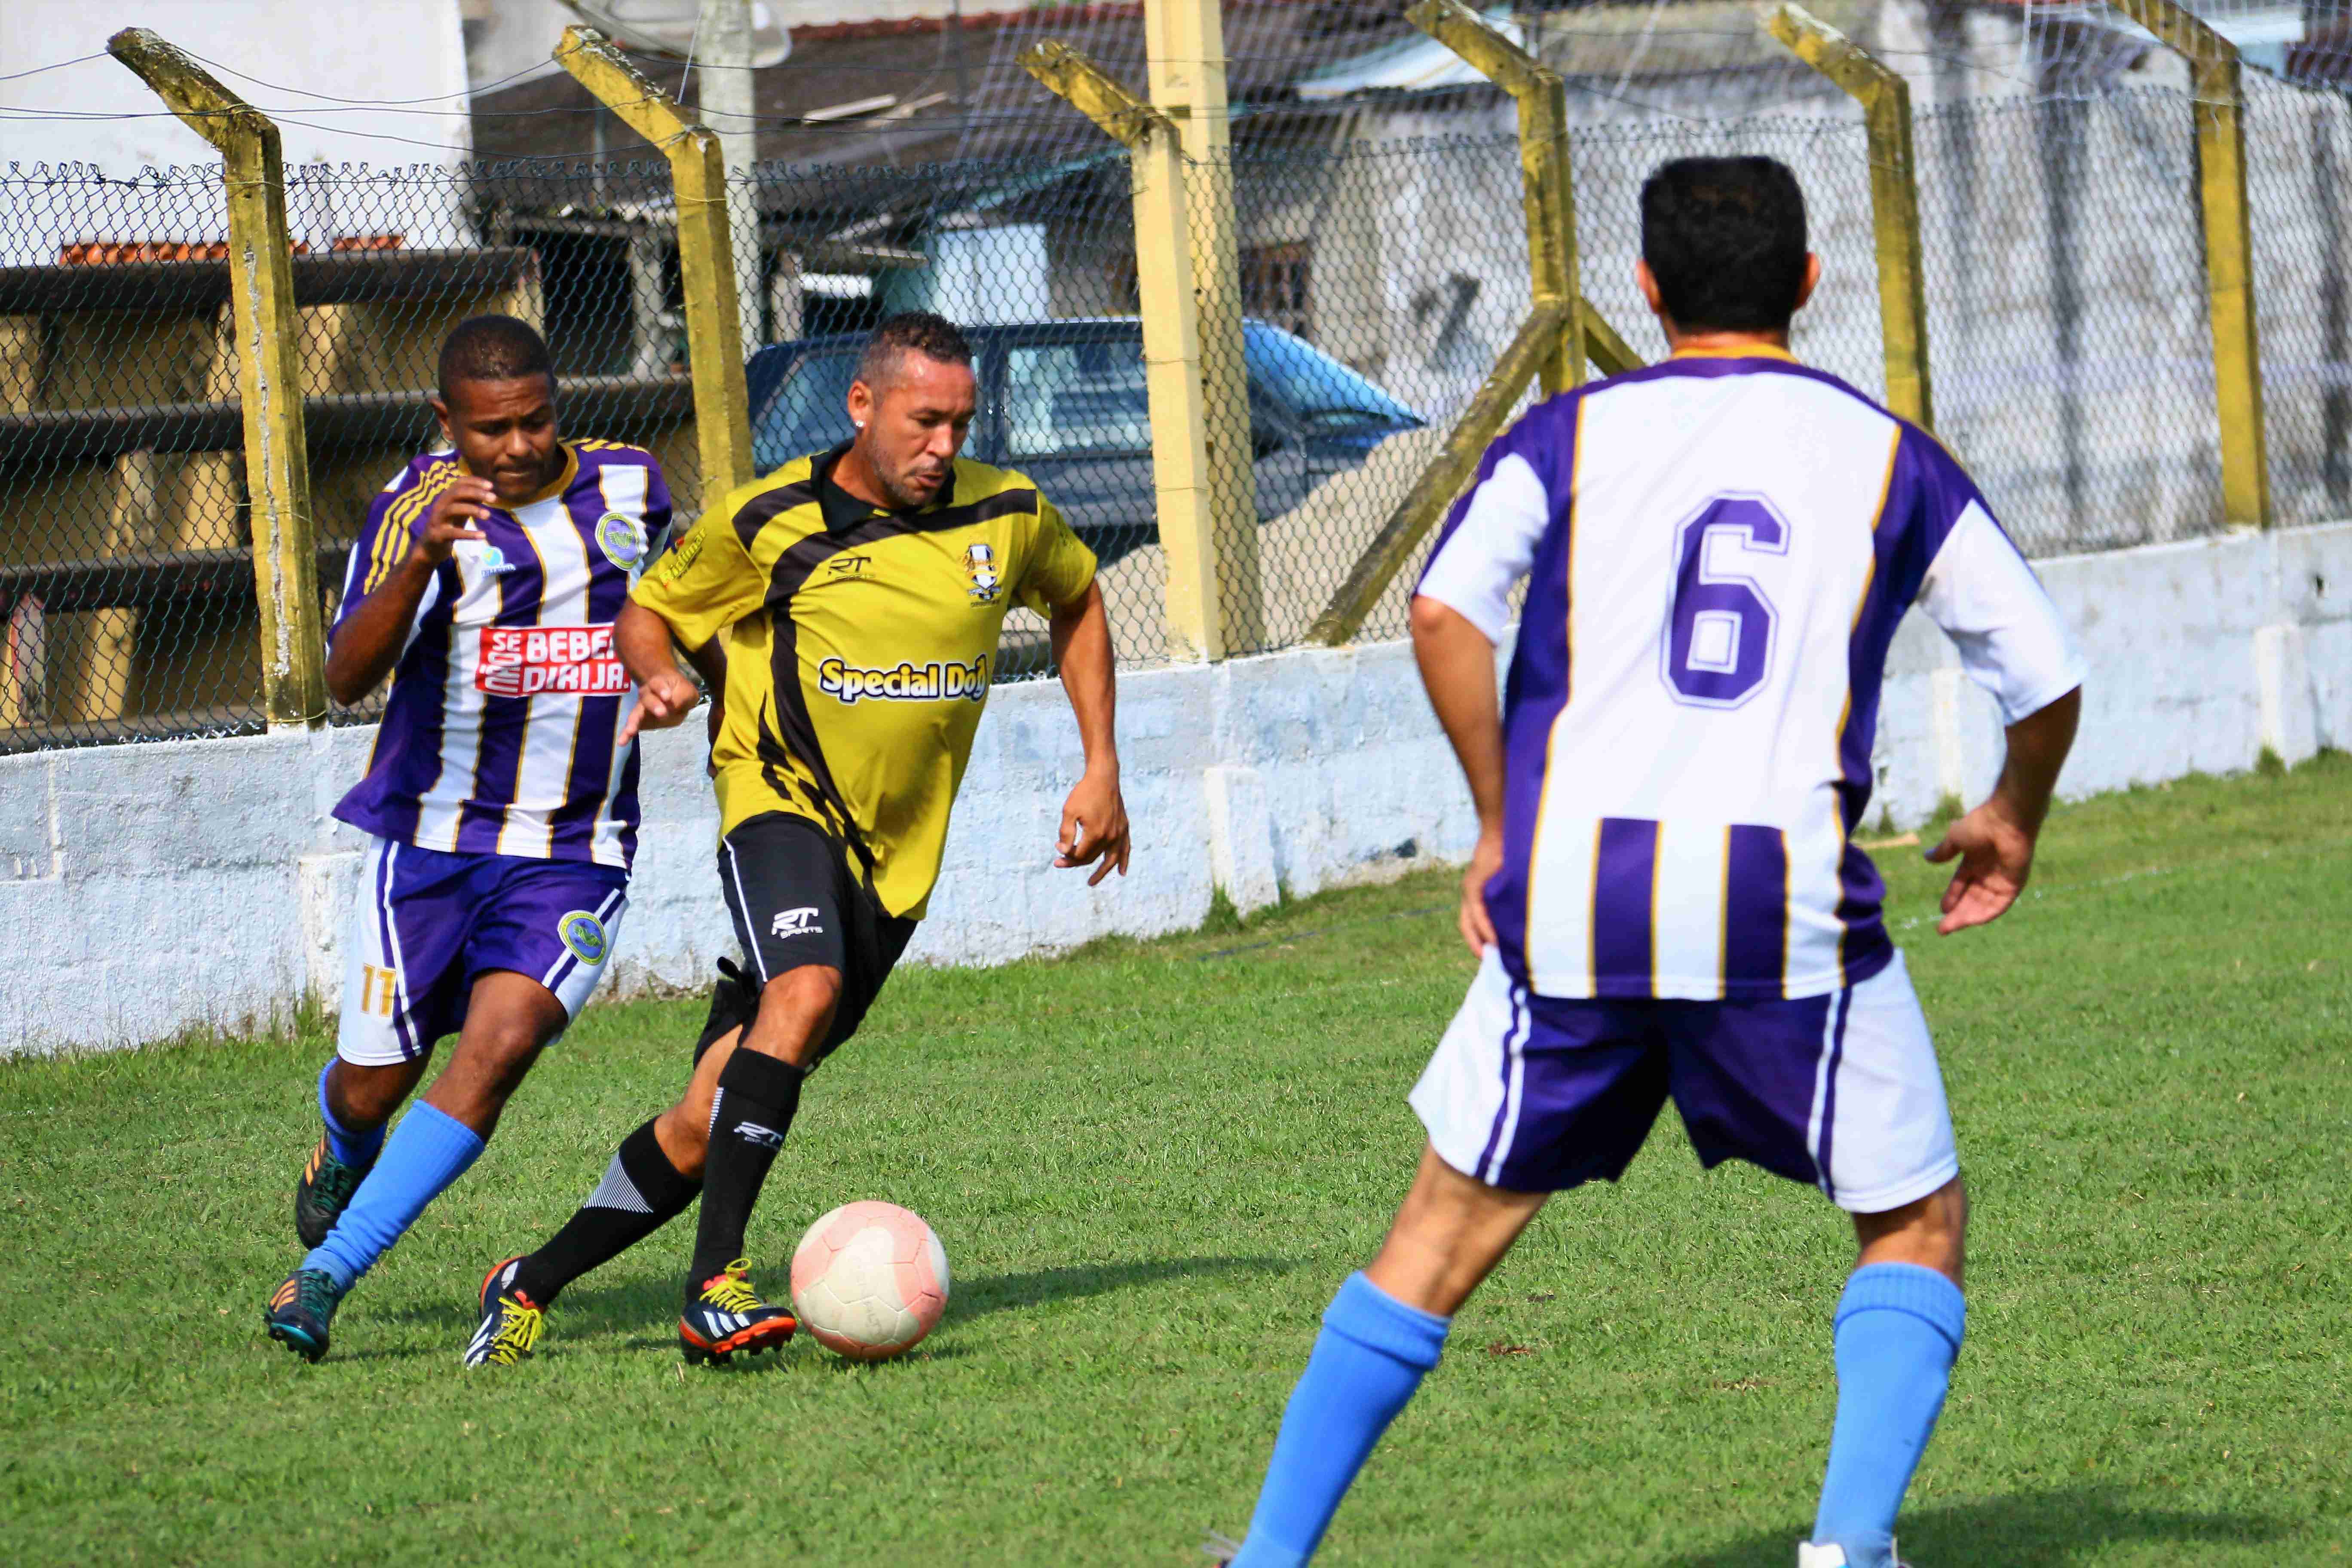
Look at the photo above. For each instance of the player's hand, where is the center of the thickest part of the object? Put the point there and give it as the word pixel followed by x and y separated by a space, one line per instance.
pixel 1094 826
pixel 452 517
pixel 662 703
pixel 1477 929
pixel 1996 854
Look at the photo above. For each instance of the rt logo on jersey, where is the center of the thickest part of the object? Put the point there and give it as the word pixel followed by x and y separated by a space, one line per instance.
pixel 796 923
pixel 979 565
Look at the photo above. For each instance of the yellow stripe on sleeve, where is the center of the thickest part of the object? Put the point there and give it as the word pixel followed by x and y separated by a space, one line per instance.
pixel 392 538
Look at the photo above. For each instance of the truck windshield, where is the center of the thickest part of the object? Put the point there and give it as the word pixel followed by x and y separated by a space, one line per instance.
pixel 1317 387
pixel 809 412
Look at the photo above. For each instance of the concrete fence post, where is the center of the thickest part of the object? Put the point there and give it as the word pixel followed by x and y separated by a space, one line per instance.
pixel 1181 477
pixel 268 372
pixel 1185 67
pixel 2218 90
pixel 1885 99
pixel 706 254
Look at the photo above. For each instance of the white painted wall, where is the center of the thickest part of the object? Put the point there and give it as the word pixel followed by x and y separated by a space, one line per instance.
pixel 146 889
pixel 308 63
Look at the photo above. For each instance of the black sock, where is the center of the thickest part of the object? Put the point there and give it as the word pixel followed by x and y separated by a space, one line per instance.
pixel 641 1193
pixel 753 1108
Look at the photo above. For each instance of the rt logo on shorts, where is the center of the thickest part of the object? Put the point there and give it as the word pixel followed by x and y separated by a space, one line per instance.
pixel 796 923
pixel 583 933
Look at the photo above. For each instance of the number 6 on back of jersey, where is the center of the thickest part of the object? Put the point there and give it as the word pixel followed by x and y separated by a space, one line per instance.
pixel 1720 630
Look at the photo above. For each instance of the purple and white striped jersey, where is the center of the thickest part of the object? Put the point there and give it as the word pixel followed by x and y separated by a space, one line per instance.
pixel 1719 552
pixel 502 732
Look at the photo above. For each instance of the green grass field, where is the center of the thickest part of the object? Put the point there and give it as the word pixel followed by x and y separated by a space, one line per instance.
pixel 1152 1162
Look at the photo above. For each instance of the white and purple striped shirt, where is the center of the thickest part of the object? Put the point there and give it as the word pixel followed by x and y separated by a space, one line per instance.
pixel 1718 550
pixel 502 732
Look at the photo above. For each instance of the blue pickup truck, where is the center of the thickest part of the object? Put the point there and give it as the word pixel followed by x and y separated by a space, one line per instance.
pixel 1063 402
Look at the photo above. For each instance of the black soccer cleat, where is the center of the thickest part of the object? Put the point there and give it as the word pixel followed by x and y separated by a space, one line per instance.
pixel 724 1315
pixel 301 1310
pixel 324 1192
pixel 512 1322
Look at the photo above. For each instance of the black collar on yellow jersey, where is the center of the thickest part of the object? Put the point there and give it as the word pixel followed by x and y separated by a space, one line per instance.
pixel 842 510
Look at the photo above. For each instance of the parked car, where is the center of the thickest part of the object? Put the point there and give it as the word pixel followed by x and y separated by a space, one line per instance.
pixel 1064 403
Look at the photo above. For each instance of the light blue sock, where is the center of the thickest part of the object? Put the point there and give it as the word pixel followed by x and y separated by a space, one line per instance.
pixel 429 1150
pixel 1367 1363
pixel 1898 1330
pixel 351 1148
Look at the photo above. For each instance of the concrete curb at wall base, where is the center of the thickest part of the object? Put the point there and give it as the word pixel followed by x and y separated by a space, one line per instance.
pixel 147 890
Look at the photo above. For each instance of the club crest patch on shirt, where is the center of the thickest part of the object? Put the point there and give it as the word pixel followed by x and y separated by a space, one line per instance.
pixel 583 933
pixel 621 537
pixel 980 566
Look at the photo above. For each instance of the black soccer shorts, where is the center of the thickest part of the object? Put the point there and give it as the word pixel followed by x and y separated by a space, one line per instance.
pixel 797 900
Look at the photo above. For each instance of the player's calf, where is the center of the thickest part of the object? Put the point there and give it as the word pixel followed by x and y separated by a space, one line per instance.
pixel 354 1102
pixel 1899 1330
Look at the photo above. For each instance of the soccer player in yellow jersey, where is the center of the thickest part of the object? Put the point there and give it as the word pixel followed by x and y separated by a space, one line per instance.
pixel 860 593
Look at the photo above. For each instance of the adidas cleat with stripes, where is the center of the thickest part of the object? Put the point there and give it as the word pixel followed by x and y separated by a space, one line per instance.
pixel 301 1310
pixel 512 1322
pixel 324 1192
pixel 725 1316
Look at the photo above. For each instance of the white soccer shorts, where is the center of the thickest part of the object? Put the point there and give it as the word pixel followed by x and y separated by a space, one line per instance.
pixel 1542 1093
pixel 425 924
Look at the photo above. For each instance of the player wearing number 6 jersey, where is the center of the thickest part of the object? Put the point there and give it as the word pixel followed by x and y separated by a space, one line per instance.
pixel 499 807
pixel 1665 896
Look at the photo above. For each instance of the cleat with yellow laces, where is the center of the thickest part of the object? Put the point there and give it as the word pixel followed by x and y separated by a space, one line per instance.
pixel 724 1315
pixel 512 1322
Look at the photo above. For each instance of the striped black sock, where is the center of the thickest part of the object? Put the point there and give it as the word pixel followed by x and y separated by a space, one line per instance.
pixel 641 1193
pixel 753 1110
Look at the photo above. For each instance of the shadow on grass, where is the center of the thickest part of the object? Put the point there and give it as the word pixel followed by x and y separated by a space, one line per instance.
pixel 634 1306
pixel 2034 1529
pixel 1006 1292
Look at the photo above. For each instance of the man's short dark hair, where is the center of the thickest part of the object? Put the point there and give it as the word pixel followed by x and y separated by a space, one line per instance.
pixel 920 331
pixel 1726 240
pixel 493 348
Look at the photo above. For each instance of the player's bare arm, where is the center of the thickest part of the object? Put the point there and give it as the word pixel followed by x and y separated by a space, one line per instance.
pixel 1094 819
pixel 664 695
pixel 1994 843
pixel 366 646
pixel 1458 667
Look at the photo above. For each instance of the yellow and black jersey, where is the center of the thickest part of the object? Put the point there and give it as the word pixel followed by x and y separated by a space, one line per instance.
pixel 861 647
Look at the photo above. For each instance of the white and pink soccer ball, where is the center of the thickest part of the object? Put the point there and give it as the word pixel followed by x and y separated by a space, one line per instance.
pixel 869 1280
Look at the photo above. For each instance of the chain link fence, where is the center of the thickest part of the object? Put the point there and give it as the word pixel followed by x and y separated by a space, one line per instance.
pixel 2299 158
pixel 125 579
pixel 126 571
pixel 1377 274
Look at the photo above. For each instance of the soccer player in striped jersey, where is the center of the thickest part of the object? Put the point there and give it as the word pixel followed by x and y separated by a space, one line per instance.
pixel 499 808
pixel 1665 899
